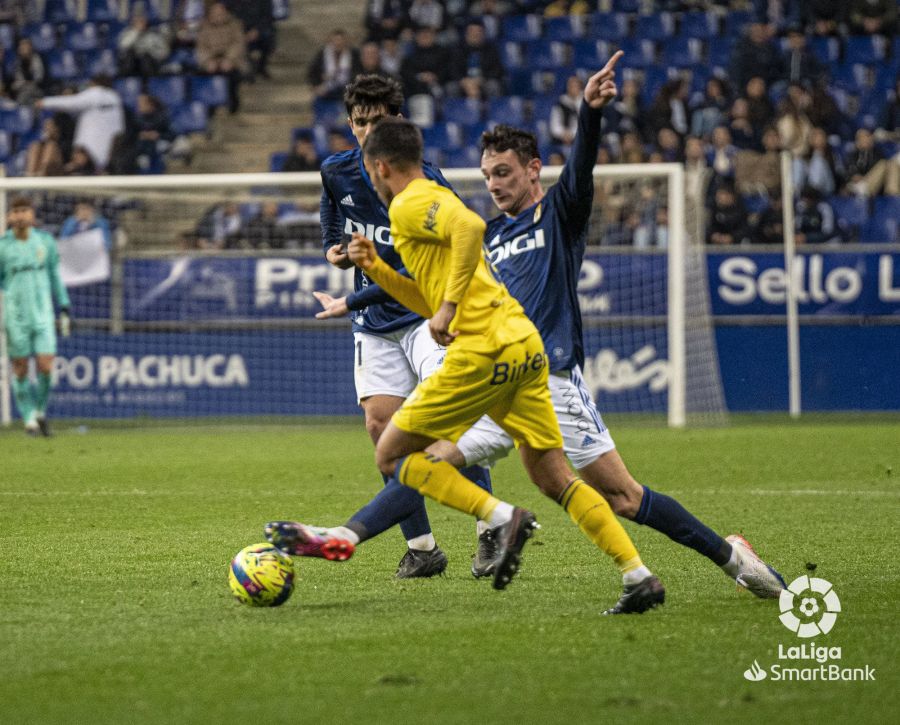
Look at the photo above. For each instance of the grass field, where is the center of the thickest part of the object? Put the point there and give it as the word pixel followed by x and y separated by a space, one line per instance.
pixel 114 606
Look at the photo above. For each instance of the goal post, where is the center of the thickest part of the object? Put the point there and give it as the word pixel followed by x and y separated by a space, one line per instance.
pixel 199 302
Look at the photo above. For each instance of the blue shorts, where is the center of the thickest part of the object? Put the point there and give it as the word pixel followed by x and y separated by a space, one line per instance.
pixel 28 341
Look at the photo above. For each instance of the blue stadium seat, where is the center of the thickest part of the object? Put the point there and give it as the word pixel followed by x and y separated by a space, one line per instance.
pixel 592 54
pixel 7 36
pixel 298 131
pixel 59 11
pixel 887 206
pixel 62 65
pixel 507 109
pixel 211 91
pixel 464 111
pixel 444 136
pixel 83 36
pixel 189 118
pixel 17 120
pixel 756 203
pixel 879 230
pixel 101 62
pixel 521 28
pixel 541 107
pixel 464 158
pixel 155 10
pixel 867 49
pixel 6 146
pixel 608 26
pixel 698 24
pixel 736 21
pixel 850 213
pixel 328 113
pixel 42 36
pixel 826 50
pixel 511 55
pixel 472 134
pixel 626 6
pixel 17 163
pixel 522 82
pixel 565 29
pixel 659 26
pixel 719 51
pixel 682 52
pixel 128 88
pixel 171 90
pixel 639 53
pixel 276 160
pixel 102 11
pixel 546 54
pixel 852 77
pixel 434 156
pixel 655 78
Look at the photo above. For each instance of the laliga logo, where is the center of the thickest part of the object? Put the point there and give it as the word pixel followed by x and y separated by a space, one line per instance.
pixel 815 596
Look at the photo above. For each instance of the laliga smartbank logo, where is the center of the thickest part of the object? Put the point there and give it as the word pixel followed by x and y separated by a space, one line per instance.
pixel 809 608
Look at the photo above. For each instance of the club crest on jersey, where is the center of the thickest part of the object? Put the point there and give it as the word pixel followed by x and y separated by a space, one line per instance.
pixel 430 222
pixel 517 245
pixel 537 213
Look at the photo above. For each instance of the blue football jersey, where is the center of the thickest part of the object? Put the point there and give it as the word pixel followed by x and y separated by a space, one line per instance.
pixel 538 253
pixel 351 204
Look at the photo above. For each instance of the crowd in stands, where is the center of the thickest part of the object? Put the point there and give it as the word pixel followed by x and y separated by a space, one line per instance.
pixel 118 86
pixel 720 86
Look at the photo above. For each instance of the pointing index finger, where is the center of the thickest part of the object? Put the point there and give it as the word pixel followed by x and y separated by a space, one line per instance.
pixel 611 63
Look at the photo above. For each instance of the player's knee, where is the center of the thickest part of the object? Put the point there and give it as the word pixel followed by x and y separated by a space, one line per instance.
pixel 385 462
pixel 625 501
pixel 375 426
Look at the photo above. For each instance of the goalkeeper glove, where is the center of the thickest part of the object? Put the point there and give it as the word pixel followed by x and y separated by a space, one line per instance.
pixel 65 323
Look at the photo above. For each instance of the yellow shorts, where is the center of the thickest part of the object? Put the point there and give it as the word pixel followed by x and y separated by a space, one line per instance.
pixel 510 386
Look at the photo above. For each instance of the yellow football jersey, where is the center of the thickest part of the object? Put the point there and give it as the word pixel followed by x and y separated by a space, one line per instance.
pixel 427 222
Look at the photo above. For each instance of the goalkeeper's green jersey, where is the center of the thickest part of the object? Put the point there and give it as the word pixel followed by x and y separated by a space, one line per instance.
pixel 29 275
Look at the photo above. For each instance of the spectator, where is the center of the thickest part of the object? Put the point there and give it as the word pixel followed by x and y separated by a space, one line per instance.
pixel 721 155
pixel 727 218
pixel 334 66
pixel 870 17
pixel 711 110
pixel 27 74
pixel 100 118
pixel 823 112
pixel 669 108
pixel 81 163
pixel 85 219
pixel 263 231
pixel 743 134
pixel 564 114
pixel 370 58
pixel 668 146
pixel 391 57
pixel 340 140
pixel 491 14
pixel 632 149
pixel 477 69
pixel 813 219
pixel 46 156
pixel 800 65
pixel 220 227
pixel 425 69
pixel 142 48
pixel 427 14
pixel 221 49
pixel 303 156
pixel 889 123
pixel 769 228
pixel 258 20
pixel 621 231
pixel 818 168
pixel 760 111
pixel 628 110
pixel 825 16
pixel 154 133
pixel 186 21
pixel 756 55
pixel 793 124
pixel 696 169
pixel 653 232
pixel 760 173
pixel 868 172
pixel 384 19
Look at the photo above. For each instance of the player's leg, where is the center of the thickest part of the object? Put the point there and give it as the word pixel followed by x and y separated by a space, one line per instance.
pixel 44 365
pixel 589 446
pixel 23 391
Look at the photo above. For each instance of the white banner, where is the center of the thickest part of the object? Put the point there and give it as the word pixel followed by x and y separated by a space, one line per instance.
pixel 83 258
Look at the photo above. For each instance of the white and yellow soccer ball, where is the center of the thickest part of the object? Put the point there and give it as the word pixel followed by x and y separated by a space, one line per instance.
pixel 261 576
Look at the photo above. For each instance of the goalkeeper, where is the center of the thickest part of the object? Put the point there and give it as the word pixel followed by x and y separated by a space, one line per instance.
pixel 29 277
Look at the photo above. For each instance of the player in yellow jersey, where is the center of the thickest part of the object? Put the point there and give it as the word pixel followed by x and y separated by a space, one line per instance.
pixel 495 365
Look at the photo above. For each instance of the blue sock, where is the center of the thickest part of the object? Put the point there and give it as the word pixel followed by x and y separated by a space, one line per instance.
pixel 478 475
pixel 394 504
pixel 666 515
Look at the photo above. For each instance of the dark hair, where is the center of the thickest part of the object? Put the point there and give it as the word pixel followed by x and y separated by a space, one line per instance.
pixel 504 138
pixel 21 202
pixel 396 141
pixel 372 90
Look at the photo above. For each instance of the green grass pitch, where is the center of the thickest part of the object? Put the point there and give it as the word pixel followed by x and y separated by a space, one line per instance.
pixel 114 606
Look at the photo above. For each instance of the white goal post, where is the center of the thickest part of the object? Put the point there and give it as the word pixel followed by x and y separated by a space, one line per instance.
pixel 178 330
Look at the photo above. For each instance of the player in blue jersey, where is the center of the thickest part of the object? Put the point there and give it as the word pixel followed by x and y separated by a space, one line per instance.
pixel 29 277
pixel 393 350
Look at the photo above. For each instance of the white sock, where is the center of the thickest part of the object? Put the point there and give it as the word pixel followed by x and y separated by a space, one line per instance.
pixel 481 527
pixel 342 532
pixel 731 566
pixel 425 542
pixel 500 515
pixel 635 576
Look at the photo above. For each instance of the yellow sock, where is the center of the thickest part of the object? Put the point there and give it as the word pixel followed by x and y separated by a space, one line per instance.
pixel 595 518
pixel 437 479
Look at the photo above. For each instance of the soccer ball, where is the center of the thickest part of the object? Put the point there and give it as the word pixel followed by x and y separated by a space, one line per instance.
pixel 261 576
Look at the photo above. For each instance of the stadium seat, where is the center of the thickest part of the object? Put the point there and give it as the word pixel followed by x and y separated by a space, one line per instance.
pixel 608 26
pixel 172 90
pixel 42 36
pixel 541 107
pixel 638 52
pixel 888 207
pixel 276 160
pixel 101 62
pixel 128 88
pixel 62 65
pixel 698 24
pixel 719 51
pixel 755 203
pixel 211 91
pixel 102 11
pixel 869 49
pixel 654 79
pixel 82 37
pixel 682 52
pixel 156 11
pixel 850 213
pixel 591 54
pixel 6 146
pixel 565 29
pixel 464 158
pixel 17 120
pixel 464 111
pixel 521 28
pixel 546 55
pixel 7 37
pixel 826 50
pixel 511 55
pixel 299 131
pixel 522 82
pixel 433 156
pixel 659 26
pixel 444 136
pixel 852 77
pixel 879 230
pixel 189 118
pixel 507 109
pixel 626 6
pixel 328 113
pixel 59 11
pixel 736 21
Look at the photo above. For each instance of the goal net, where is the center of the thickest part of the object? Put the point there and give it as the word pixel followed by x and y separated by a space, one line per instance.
pixel 192 296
